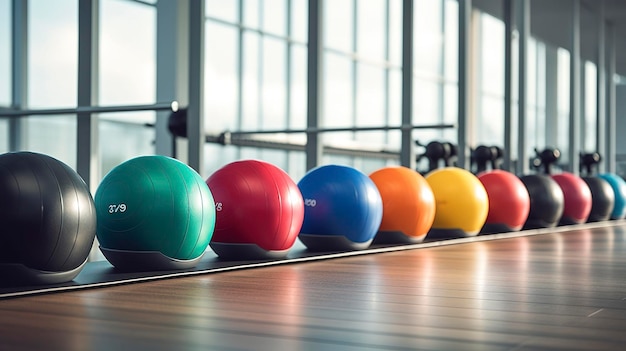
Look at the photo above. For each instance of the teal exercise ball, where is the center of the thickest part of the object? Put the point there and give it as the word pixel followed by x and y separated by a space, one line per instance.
pixel 619 188
pixel 154 212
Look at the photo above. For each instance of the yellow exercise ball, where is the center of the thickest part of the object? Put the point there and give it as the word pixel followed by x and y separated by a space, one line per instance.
pixel 462 204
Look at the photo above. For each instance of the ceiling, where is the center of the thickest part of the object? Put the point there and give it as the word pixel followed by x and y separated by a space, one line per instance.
pixel 551 21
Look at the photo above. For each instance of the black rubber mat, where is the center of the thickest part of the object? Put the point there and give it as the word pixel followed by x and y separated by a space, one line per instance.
pixel 102 273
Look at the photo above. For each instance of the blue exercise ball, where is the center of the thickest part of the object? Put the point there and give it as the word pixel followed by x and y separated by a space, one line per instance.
pixel 343 209
pixel 619 187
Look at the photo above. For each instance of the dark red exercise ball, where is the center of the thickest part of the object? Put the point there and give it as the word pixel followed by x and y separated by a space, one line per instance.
pixel 259 210
pixel 576 197
pixel 509 201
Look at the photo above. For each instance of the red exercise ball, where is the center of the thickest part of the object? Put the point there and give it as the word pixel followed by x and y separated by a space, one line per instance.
pixel 577 196
pixel 259 210
pixel 509 201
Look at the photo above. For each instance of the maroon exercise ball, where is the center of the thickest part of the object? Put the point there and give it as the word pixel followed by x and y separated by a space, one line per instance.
pixel 577 198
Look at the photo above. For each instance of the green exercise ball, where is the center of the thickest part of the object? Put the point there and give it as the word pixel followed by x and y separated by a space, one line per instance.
pixel 154 213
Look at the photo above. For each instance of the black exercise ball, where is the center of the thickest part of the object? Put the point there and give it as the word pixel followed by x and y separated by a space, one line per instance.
pixel 602 199
pixel 546 201
pixel 48 220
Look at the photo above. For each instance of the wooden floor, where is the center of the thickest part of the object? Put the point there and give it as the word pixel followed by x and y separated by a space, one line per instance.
pixel 564 291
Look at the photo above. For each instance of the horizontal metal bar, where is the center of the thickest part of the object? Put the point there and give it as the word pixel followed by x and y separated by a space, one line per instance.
pixel 164 106
pixel 341 129
pixel 367 151
pixel 142 2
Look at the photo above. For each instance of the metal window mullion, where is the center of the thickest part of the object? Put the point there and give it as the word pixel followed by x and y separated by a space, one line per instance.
pixel 442 64
pixel 19 71
pixel 289 59
pixel 407 151
pixel 315 89
pixel 465 12
pixel 611 123
pixel 477 79
pixel 240 52
pixel 582 107
pixel 524 35
pixel 601 88
pixel 354 65
pixel 552 86
pixel 575 86
pixel 260 62
pixel 288 77
pixel 536 106
pixel 171 64
pixel 87 153
pixel 195 109
pixel 386 83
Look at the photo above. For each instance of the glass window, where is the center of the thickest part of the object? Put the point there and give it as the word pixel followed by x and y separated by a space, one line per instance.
pixel 563 91
pixel 362 75
pixel 590 114
pixel 4 132
pixel 338 95
pixel 451 40
pixel 338 25
pixel 489 126
pixel 52 53
pixel 120 140
pixel 127 76
pixel 43 135
pixel 251 82
pixel 5 53
pixel 371 24
pixel 394 106
pixel 395 32
pixel 370 102
pixel 428 37
pixel 255 76
pixel 251 13
pixel 52 77
pixel 299 20
pixel 274 77
pixel 435 88
pixel 226 10
pixel 221 72
pixel 275 17
pixel 492 55
pixel 127 53
pixel 297 94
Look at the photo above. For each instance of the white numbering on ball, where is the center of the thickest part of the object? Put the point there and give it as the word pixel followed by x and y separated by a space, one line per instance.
pixel 117 208
pixel 218 206
pixel 310 202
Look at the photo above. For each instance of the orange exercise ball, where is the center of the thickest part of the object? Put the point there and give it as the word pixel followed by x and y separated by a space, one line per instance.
pixel 461 200
pixel 408 205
